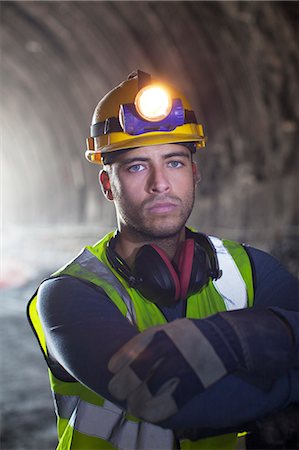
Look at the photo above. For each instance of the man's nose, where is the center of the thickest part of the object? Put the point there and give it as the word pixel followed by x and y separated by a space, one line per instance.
pixel 158 181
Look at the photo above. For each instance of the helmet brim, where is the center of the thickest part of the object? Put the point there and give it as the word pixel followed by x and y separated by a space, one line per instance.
pixel 145 140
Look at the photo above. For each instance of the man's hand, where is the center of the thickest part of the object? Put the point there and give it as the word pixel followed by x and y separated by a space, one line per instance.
pixel 162 368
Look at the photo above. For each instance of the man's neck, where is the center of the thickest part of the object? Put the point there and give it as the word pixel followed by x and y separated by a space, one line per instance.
pixel 128 244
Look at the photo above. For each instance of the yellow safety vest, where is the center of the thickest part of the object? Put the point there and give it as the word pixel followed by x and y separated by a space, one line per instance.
pixel 86 420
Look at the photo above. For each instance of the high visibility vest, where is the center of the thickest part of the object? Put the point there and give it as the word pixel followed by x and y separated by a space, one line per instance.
pixel 86 420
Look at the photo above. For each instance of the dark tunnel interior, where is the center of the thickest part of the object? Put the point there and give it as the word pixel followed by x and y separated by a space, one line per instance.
pixel 237 61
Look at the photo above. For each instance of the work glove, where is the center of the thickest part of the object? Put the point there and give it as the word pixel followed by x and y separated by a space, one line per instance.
pixel 164 367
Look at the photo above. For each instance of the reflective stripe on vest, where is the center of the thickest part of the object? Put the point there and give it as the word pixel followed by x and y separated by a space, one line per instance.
pixel 230 285
pixel 108 422
pixel 90 262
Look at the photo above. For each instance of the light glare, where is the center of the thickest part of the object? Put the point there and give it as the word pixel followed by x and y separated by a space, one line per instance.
pixel 153 103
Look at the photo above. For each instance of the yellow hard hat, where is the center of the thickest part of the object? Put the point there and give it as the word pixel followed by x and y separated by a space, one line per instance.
pixel 141 112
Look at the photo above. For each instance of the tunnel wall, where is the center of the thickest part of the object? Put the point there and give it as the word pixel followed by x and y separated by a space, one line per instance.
pixel 238 63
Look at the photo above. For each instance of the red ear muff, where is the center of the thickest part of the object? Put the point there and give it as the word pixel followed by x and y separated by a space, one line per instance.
pixel 160 282
pixel 193 267
pixel 172 273
pixel 184 259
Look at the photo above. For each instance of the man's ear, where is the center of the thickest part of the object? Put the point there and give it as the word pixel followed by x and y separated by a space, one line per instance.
pixel 196 173
pixel 105 184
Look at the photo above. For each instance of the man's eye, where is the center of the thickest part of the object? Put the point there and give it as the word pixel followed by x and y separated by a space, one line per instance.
pixel 136 168
pixel 175 164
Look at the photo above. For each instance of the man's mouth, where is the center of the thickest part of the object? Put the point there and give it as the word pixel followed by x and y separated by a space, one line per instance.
pixel 161 207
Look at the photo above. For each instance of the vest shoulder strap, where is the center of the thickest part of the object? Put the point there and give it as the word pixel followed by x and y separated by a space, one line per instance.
pixel 231 285
pixel 87 266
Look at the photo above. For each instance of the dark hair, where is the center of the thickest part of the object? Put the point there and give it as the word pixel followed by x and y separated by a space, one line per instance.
pixel 110 158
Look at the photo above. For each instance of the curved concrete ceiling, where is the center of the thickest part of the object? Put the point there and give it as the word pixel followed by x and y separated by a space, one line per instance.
pixel 237 61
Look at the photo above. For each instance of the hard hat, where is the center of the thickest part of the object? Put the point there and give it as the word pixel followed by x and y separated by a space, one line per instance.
pixel 141 112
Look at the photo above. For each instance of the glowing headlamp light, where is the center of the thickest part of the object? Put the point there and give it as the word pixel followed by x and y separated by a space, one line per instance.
pixel 152 110
pixel 153 103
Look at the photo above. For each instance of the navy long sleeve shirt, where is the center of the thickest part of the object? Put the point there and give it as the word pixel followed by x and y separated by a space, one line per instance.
pixel 84 329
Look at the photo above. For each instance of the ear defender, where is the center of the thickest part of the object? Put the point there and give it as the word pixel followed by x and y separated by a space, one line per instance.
pixel 193 267
pixel 165 282
pixel 162 281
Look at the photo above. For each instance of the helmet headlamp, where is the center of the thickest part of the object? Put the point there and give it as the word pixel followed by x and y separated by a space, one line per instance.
pixel 153 103
pixel 153 110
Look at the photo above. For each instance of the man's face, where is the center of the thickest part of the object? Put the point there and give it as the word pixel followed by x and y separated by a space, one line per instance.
pixel 152 189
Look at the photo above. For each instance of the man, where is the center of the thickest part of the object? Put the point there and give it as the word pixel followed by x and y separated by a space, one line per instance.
pixel 147 334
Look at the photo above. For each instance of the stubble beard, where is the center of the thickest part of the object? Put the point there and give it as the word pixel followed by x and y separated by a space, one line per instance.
pixel 148 229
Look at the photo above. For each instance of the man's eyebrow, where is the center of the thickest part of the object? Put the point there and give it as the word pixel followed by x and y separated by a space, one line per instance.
pixel 176 154
pixel 134 159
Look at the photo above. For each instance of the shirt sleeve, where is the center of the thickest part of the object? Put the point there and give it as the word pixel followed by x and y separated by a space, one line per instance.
pixel 83 328
pixel 232 404
pixel 274 285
